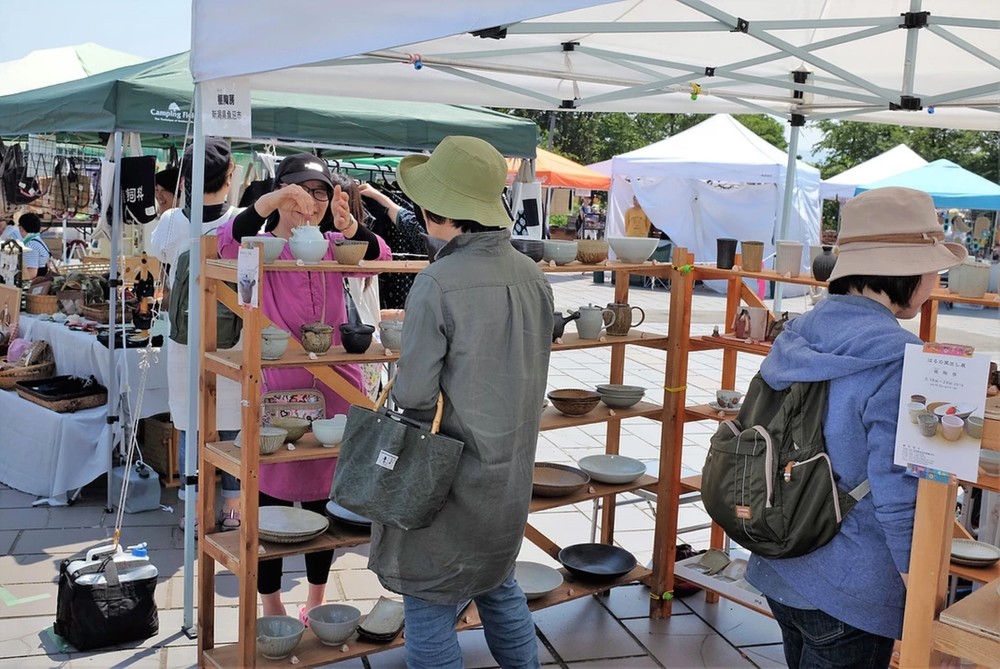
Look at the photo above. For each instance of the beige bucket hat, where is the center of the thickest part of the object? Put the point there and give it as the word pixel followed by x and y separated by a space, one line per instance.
pixel 463 179
pixel 892 232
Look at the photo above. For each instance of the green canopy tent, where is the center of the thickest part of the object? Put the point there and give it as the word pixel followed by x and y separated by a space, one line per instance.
pixel 154 98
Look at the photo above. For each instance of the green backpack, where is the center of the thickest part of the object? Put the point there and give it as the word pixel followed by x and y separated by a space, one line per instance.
pixel 768 481
pixel 229 324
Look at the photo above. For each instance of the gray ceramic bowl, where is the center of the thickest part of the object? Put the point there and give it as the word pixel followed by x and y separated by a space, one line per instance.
pixel 533 248
pixel 392 334
pixel 633 249
pixel 561 252
pixel 277 636
pixel 273 246
pixel 612 468
pixel 334 623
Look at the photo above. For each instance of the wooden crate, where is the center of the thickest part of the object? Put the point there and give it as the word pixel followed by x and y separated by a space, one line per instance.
pixel 160 441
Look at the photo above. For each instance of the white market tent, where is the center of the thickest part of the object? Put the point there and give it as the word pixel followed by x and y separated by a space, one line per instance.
pixel 715 179
pixel 895 161
pixel 45 67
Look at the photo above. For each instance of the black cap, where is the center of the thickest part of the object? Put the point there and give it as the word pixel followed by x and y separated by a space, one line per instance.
pixel 217 160
pixel 167 179
pixel 302 167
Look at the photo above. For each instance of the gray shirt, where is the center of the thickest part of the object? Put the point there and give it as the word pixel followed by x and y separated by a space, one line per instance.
pixel 478 328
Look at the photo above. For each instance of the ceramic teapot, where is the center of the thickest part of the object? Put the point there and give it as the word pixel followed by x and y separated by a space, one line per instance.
pixel 308 244
pixel 622 322
pixel 559 323
pixel 593 320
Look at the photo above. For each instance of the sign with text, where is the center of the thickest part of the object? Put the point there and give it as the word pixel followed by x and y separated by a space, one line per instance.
pixel 248 276
pixel 225 107
pixel 941 406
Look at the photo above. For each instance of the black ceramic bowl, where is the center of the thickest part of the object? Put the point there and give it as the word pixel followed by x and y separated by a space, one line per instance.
pixel 532 248
pixel 356 338
pixel 597 561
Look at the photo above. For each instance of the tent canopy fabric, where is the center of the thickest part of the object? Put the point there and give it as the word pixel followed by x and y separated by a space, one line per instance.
pixel 155 97
pixel 894 161
pixel 934 66
pixel 46 67
pixel 715 179
pixel 557 171
pixel 950 185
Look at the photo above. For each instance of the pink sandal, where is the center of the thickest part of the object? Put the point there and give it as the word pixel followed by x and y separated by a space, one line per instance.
pixel 304 616
pixel 229 521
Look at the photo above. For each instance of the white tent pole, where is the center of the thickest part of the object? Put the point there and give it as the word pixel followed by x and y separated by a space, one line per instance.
pixel 786 203
pixel 194 344
pixel 116 233
pixel 910 57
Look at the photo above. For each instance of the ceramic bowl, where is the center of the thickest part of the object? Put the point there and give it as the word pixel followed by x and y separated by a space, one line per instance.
pixel 990 462
pixel 962 410
pixel 310 250
pixel 633 249
pixel 356 338
pixel 392 334
pixel 277 636
pixel 271 439
pixel 574 401
pixel 549 479
pixel 620 401
pixel 295 427
pixel 536 580
pixel 533 248
pixel 317 337
pixel 330 431
pixel 349 251
pixel 334 623
pixel 597 561
pixel 616 469
pixel 559 252
pixel 273 343
pixel 273 246
pixel 592 251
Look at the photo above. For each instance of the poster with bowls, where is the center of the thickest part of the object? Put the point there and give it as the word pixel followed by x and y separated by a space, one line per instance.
pixel 941 408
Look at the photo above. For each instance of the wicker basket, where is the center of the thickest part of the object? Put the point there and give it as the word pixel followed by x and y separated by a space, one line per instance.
pixel 160 440
pixel 41 304
pixel 99 313
pixel 29 373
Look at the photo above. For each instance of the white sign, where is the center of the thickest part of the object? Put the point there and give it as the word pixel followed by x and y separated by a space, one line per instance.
pixel 941 409
pixel 248 276
pixel 225 107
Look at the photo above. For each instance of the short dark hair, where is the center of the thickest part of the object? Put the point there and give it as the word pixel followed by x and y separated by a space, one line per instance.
pixel 899 289
pixel 30 222
pixel 463 225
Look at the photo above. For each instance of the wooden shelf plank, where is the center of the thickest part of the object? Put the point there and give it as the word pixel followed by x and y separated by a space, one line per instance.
pixel 312 653
pixel 976 574
pixel 970 628
pixel 991 300
pixel 226 455
pixel 705 412
pixel 226 269
pixel 727 341
pixel 589 492
pixel 227 544
pixel 572 341
pixel 554 420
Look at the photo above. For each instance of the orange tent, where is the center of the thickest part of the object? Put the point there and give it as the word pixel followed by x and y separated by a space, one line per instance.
pixel 557 172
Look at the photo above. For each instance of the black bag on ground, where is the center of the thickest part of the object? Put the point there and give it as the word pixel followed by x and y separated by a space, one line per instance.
pixel 768 481
pixel 106 601
pixel 229 324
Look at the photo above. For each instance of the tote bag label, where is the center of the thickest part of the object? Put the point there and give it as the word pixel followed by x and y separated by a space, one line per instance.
pixel 386 460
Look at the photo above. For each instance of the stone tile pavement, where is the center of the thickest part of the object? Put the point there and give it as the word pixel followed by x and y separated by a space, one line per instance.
pixel 594 632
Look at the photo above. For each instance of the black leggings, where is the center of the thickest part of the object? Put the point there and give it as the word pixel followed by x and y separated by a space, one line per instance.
pixel 317 564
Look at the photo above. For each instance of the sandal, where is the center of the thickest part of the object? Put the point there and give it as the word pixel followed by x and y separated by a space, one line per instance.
pixel 304 616
pixel 229 520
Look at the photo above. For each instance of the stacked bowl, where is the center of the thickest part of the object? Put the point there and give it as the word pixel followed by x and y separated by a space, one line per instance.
pixel 618 396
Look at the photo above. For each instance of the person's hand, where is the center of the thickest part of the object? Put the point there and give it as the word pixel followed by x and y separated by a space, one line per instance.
pixel 288 197
pixel 340 207
pixel 369 191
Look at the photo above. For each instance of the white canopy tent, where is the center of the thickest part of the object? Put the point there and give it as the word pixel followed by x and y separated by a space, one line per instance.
pixel 715 179
pixel 895 161
pixel 45 67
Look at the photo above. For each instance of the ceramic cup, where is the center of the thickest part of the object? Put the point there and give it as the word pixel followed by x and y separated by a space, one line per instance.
pixel 928 423
pixel 918 398
pixel 725 252
pixel 758 323
pixel 974 427
pixel 622 321
pixel 951 427
pixel 788 258
pixel 728 399
pixel 914 408
pixel 752 255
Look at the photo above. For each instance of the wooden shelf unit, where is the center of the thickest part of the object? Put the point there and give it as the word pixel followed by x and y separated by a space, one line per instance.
pixel 241 551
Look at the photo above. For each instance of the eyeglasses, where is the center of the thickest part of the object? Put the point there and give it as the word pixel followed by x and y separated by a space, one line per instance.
pixel 319 194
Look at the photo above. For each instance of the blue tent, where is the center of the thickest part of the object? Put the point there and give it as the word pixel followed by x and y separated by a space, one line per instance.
pixel 949 184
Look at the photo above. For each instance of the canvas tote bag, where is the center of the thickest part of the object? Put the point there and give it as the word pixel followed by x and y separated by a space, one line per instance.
pixel 391 469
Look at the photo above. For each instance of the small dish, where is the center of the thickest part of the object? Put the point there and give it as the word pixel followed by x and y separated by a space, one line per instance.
pixel 536 580
pixel 597 561
pixel 346 516
pixel 615 469
pixel 932 407
pixel 384 622
pixel 295 427
pixel 549 479
pixel 974 553
pixel 734 410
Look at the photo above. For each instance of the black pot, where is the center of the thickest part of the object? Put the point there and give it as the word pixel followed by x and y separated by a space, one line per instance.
pixel 823 264
pixel 356 338
pixel 533 248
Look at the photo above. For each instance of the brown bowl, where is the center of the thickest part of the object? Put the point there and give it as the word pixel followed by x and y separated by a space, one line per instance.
pixel 551 480
pixel 349 252
pixel 574 401
pixel 294 426
pixel 591 251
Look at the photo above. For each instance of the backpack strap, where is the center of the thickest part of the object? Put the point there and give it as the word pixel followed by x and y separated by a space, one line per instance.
pixel 860 490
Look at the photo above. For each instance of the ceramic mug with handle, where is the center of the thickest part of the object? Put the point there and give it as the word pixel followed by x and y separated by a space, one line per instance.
pixel 622 321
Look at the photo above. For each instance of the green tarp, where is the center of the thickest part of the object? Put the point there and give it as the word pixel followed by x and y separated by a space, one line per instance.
pixel 154 98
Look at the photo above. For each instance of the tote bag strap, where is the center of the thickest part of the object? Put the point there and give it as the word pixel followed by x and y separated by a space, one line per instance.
pixel 435 425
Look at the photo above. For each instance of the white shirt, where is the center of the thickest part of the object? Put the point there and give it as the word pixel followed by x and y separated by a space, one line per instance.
pixel 10 232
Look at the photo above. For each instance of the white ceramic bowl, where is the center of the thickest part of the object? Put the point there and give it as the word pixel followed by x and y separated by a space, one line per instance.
pixel 310 250
pixel 990 462
pixel 392 334
pixel 330 431
pixel 536 580
pixel 633 249
pixel 612 468
pixel 560 252
pixel 277 636
pixel 273 246
pixel 334 623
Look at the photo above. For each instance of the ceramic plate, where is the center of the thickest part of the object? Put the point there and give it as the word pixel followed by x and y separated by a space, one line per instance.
pixel 342 515
pixel 932 407
pixel 536 580
pixel 552 480
pixel 597 560
pixel 973 553
pixel 289 538
pixel 384 622
pixel 612 468
pixel 289 521
pixel 715 407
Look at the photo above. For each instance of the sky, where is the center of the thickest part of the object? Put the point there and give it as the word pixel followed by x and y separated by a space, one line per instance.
pixel 147 28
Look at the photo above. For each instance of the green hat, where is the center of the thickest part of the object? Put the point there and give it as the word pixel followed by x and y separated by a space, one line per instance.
pixel 462 179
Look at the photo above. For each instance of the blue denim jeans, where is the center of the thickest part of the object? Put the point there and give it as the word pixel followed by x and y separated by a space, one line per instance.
pixel 230 484
pixel 815 640
pixel 432 642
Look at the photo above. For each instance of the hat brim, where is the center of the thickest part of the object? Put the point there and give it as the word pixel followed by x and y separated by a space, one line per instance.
pixel 302 177
pixel 896 259
pixel 426 190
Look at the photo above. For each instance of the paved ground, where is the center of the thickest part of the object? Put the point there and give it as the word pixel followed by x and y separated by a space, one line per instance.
pixel 592 632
